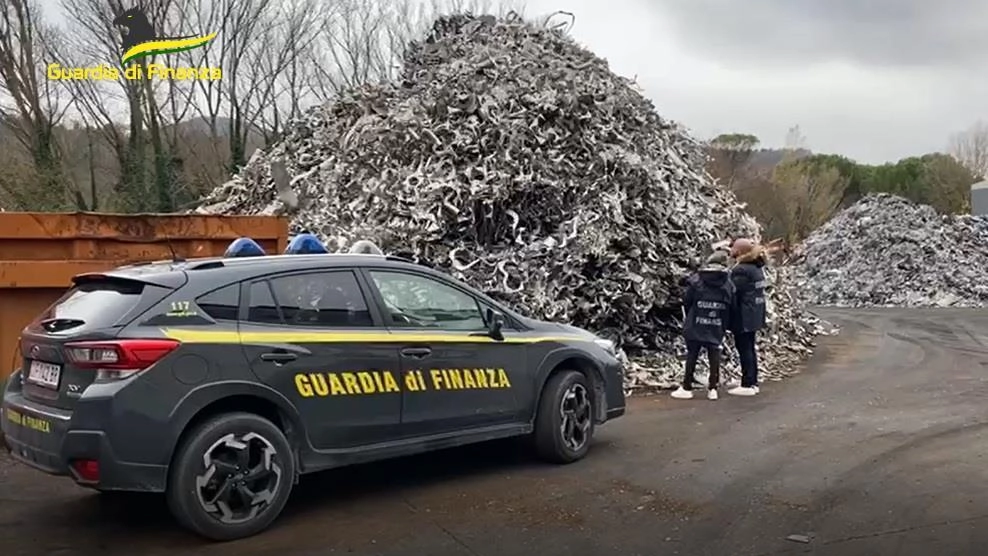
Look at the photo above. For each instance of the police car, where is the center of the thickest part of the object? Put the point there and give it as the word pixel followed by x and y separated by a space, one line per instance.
pixel 219 381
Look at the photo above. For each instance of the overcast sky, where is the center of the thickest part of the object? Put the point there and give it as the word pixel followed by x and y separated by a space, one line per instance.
pixel 876 80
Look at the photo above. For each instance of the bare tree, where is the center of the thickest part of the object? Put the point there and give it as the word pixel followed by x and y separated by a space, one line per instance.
pixel 255 48
pixel 33 109
pixel 795 140
pixel 242 27
pixel 970 148
pixel 353 48
pixel 159 98
pixel 364 40
pixel 174 138
pixel 286 66
pixel 146 147
pixel 278 57
pixel 93 39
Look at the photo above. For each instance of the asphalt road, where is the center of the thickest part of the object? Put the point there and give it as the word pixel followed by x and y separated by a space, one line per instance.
pixel 878 448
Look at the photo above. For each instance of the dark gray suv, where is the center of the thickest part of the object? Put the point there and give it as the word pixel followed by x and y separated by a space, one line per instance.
pixel 219 381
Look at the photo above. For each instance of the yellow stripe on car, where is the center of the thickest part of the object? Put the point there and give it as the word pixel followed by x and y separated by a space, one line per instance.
pixel 188 335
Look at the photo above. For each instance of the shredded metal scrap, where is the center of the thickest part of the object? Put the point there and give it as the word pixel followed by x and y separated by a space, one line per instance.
pixel 515 160
pixel 888 251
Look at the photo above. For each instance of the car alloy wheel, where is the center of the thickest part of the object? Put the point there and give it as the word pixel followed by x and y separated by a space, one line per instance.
pixel 577 416
pixel 241 477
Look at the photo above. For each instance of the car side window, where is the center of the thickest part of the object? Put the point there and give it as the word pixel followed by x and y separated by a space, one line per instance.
pixel 263 308
pixel 508 324
pixel 319 299
pixel 419 302
pixel 221 304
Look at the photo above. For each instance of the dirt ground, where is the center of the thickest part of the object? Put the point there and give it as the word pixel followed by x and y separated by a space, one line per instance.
pixel 877 448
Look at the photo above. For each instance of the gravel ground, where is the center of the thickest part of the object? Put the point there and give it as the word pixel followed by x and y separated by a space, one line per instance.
pixel 877 448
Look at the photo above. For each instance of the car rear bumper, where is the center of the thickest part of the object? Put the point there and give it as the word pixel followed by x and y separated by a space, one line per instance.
pixel 43 438
pixel 34 434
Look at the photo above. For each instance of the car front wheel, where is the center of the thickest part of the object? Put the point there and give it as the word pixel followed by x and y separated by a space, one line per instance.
pixel 231 477
pixel 564 425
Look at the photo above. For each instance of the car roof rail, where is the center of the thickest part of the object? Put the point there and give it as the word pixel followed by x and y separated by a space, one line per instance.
pixel 207 265
pixel 398 259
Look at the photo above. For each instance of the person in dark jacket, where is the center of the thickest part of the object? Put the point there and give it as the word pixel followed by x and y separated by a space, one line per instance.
pixel 708 304
pixel 748 277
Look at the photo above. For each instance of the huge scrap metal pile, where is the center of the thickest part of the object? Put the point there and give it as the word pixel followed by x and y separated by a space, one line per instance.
pixel 888 251
pixel 514 159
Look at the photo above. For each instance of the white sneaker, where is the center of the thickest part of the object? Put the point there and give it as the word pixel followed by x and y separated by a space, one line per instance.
pixel 682 394
pixel 735 382
pixel 743 391
pixel 712 394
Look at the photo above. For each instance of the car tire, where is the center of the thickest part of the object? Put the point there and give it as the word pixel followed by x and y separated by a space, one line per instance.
pixel 566 402
pixel 205 493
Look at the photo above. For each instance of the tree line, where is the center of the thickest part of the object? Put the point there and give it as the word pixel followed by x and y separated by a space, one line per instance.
pixel 792 191
pixel 157 145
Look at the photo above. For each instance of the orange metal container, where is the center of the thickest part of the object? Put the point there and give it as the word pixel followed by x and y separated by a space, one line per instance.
pixel 41 252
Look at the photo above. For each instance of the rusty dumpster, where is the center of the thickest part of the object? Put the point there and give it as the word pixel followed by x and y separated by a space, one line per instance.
pixel 40 252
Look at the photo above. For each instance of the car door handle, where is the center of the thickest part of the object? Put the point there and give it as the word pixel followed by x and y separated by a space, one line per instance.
pixel 416 352
pixel 284 348
pixel 279 357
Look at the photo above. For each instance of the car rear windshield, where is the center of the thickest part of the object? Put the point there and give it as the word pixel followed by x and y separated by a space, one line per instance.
pixel 90 304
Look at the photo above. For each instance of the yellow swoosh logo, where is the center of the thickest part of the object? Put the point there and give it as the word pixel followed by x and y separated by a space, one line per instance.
pixel 164 46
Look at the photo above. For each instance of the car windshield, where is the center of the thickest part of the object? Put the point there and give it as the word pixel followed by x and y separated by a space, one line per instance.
pixel 423 313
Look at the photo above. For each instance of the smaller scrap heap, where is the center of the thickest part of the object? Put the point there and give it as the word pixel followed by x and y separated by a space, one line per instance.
pixel 515 160
pixel 887 251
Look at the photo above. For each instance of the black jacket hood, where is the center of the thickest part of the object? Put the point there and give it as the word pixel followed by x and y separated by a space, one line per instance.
pixel 713 278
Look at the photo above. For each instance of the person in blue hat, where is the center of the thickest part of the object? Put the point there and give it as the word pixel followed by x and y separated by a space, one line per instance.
pixel 709 304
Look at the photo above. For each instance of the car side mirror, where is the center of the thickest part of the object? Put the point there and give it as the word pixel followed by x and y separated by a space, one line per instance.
pixel 495 322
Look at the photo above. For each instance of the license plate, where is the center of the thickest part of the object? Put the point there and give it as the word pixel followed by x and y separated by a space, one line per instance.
pixel 44 374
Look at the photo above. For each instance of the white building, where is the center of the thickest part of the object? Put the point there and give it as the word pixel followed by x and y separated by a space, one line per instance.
pixel 979 198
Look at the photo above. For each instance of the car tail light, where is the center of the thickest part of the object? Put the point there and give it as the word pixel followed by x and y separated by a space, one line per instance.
pixel 118 359
pixel 87 469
